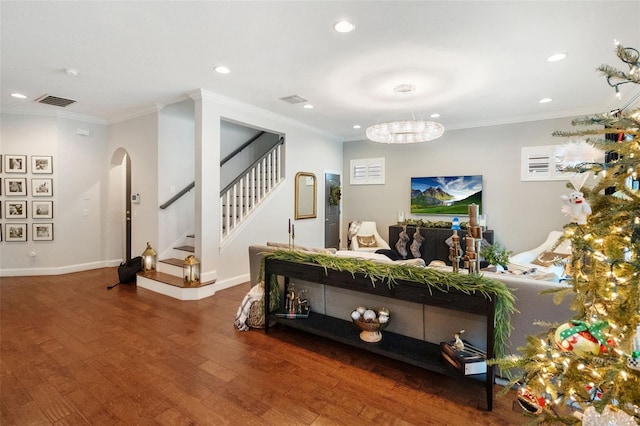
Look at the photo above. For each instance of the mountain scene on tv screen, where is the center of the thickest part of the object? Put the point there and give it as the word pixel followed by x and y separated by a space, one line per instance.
pixel 445 194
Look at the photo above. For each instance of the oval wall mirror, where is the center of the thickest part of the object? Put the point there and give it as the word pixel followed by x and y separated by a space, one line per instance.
pixel 305 195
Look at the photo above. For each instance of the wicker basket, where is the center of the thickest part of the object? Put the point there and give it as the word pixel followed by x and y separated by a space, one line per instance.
pixel 256 315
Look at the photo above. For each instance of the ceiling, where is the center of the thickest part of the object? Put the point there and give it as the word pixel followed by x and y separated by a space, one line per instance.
pixel 475 63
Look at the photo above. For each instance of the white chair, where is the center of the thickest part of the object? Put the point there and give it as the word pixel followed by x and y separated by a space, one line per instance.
pixel 367 238
pixel 544 257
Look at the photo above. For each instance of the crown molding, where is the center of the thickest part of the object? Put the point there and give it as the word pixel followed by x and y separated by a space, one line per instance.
pixel 45 112
pixel 234 103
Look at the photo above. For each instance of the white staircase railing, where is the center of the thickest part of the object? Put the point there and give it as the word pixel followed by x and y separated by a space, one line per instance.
pixel 249 190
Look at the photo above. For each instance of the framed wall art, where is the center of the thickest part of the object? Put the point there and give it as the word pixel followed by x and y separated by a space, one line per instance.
pixel 445 194
pixel 42 232
pixel 15 186
pixel 15 209
pixel 41 187
pixel 15 232
pixel 15 164
pixel 41 164
pixel 42 209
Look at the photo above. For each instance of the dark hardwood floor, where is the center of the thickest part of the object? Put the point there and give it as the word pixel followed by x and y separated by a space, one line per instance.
pixel 73 352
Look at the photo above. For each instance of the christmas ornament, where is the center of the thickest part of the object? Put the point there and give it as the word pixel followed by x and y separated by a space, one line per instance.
pixel 576 207
pixel 608 417
pixel 581 338
pixel 529 402
pixel 595 393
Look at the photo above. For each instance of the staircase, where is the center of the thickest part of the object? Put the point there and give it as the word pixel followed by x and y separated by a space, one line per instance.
pixel 238 201
pixel 167 279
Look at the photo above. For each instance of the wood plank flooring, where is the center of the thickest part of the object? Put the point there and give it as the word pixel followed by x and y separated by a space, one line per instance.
pixel 74 353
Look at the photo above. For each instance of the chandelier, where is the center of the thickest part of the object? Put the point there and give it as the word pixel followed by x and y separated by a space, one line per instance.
pixel 405 131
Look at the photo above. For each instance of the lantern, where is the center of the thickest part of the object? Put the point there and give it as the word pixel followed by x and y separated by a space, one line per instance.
pixel 191 270
pixel 148 259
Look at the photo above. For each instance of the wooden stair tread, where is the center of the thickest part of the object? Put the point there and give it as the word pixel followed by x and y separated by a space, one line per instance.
pixel 191 249
pixel 173 261
pixel 171 279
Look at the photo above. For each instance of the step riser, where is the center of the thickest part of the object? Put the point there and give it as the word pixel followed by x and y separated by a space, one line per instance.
pixel 166 268
pixel 180 254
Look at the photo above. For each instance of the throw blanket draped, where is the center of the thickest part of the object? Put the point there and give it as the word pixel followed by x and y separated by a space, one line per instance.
pixel 254 295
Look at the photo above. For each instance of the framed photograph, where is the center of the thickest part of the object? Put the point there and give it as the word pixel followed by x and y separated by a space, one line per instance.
pixel 41 164
pixel 42 209
pixel 1 232
pixel 41 187
pixel 15 209
pixel 15 232
pixel 15 186
pixel 42 232
pixel 15 164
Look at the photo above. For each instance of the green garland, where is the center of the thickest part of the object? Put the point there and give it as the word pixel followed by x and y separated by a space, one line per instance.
pixel 390 274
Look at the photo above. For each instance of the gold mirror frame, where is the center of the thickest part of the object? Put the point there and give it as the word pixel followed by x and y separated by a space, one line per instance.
pixel 305 195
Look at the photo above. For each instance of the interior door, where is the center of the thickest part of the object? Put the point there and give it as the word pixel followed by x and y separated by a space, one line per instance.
pixel 331 213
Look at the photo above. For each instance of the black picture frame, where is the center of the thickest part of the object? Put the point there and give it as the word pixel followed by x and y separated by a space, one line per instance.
pixel 42 231
pixel 15 163
pixel 41 209
pixel 15 187
pixel 41 187
pixel 41 164
pixel 15 232
pixel 15 209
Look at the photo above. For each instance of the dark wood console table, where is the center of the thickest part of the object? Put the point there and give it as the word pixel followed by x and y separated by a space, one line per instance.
pixel 395 346
pixel 433 246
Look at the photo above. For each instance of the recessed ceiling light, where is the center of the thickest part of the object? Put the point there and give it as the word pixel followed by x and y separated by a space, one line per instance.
pixel 308 106
pixel 545 100
pixel 557 57
pixel 404 89
pixel 434 115
pixel 221 69
pixel 71 72
pixel 18 96
pixel 344 27
pixel 356 126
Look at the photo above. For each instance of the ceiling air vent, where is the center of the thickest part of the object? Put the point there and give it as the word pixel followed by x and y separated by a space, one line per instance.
pixel 293 99
pixel 54 100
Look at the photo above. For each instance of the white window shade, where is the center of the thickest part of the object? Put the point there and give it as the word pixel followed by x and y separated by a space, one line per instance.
pixel 369 171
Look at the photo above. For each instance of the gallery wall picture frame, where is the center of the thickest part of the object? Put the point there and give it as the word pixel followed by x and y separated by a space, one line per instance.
pixel 0 172
pixel 15 209
pixel 15 163
pixel 1 232
pixel 42 209
pixel 15 186
pixel 41 187
pixel 42 232
pixel 41 164
pixel 15 232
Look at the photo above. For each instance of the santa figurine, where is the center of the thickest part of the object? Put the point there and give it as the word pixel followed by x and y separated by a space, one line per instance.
pixel 576 207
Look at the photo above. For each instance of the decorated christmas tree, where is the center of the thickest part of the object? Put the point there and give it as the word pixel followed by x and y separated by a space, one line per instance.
pixel 588 369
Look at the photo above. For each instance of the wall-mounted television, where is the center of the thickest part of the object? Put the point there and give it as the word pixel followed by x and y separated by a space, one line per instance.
pixel 445 195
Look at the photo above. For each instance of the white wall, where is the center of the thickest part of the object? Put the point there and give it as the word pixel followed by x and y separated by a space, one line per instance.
pixel 520 213
pixel 79 193
pixel 139 138
pixel 176 159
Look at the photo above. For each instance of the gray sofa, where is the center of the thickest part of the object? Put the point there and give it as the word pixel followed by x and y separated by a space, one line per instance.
pixel 430 323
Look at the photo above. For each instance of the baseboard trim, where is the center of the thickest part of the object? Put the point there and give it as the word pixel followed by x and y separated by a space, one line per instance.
pixel 59 270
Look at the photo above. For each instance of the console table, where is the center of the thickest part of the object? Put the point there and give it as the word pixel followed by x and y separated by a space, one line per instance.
pixel 434 246
pixel 395 346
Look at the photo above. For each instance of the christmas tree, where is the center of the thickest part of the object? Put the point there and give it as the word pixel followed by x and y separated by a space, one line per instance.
pixel 589 367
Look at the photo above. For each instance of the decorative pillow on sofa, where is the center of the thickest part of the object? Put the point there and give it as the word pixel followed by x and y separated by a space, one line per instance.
pixel 549 258
pixel 367 241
